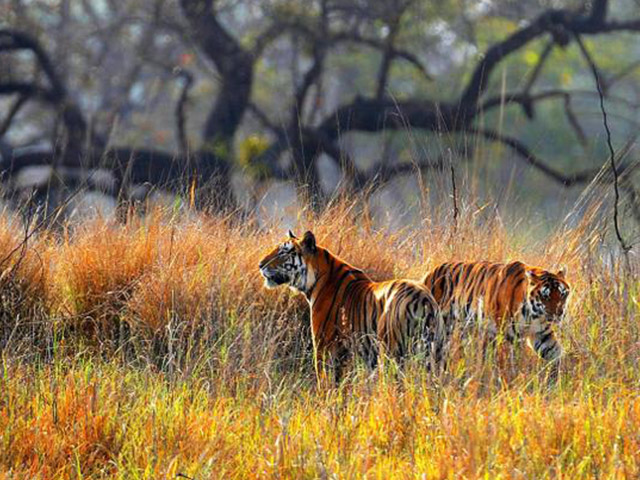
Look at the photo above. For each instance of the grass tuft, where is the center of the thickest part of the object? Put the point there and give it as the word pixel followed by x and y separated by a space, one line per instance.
pixel 160 353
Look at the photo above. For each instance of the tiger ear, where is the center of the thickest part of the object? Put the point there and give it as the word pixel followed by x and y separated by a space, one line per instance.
pixel 531 276
pixel 291 235
pixel 309 242
pixel 562 272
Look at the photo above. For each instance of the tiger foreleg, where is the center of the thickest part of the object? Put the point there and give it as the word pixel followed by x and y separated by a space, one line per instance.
pixel 437 342
pixel 547 347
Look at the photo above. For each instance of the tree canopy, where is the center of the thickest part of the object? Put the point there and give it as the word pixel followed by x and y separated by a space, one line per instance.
pixel 161 91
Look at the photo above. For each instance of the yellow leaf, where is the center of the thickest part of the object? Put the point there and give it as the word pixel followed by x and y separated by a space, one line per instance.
pixel 531 57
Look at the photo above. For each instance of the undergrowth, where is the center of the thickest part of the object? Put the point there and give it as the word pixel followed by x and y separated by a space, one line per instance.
pixel 150 349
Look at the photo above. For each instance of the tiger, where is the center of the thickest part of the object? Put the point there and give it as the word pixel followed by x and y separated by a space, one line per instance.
pixel 350 313
pixel 517 300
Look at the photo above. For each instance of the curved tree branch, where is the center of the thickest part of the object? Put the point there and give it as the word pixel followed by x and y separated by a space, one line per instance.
pixel 395 52
pixel 16 40
pixel 368 114
pixel 373 114
pixel 283 25
pixel 56 93
pixel 264 119
pixel 13 111
pixel 29 90
pixel 527 155
pixel 560 24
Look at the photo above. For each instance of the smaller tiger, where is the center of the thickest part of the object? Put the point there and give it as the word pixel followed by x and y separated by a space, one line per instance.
pixel 518 300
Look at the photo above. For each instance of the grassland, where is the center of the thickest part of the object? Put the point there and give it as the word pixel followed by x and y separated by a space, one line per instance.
pixel 150 350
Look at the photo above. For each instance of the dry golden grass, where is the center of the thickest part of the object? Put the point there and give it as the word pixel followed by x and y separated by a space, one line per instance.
pixel 197 369
pixel 24 286
pixel 23 264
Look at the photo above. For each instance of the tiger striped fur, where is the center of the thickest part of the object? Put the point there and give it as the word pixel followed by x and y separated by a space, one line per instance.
pixel 518 300
pixel 349 311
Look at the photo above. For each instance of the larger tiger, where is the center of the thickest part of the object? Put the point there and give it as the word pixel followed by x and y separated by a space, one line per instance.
pixel 349 311
pixel 518 300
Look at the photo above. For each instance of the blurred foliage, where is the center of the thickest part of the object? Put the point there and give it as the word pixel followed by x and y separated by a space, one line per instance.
pixel 248 151
pixel 119 59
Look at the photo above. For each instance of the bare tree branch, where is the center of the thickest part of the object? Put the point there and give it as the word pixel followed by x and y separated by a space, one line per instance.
pixel 395 52
pixel 573 121
pixel 181 111
pixel 56 94
pixel 387 53
pixel 15 40
pixel 28 90
pixel 561 24
pixel 599 11
pixel 11 114
pixel 527 155
pixel 310 78
pixel 528 102
pixel 264 119
pixel 283 25
pixel 629 69
pixel 546 51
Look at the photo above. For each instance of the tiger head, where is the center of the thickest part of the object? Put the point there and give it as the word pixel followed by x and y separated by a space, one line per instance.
pixel 291 263
pixel 548 293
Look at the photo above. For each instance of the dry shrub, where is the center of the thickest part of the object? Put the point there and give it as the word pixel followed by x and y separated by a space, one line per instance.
pixel 176 284
pixel 200 263
pixel 166 294
pixel 22 258
pixel 226 386
pixel 204 296
pixel 23 280
pixel 95 268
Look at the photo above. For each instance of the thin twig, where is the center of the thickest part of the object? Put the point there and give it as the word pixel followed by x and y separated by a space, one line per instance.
pixel 573 121
pixel 455 192
pixel 527 155
pixel 629 69
pixel 616 189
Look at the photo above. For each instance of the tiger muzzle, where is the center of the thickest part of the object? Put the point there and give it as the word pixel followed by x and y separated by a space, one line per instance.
pixel 276 278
